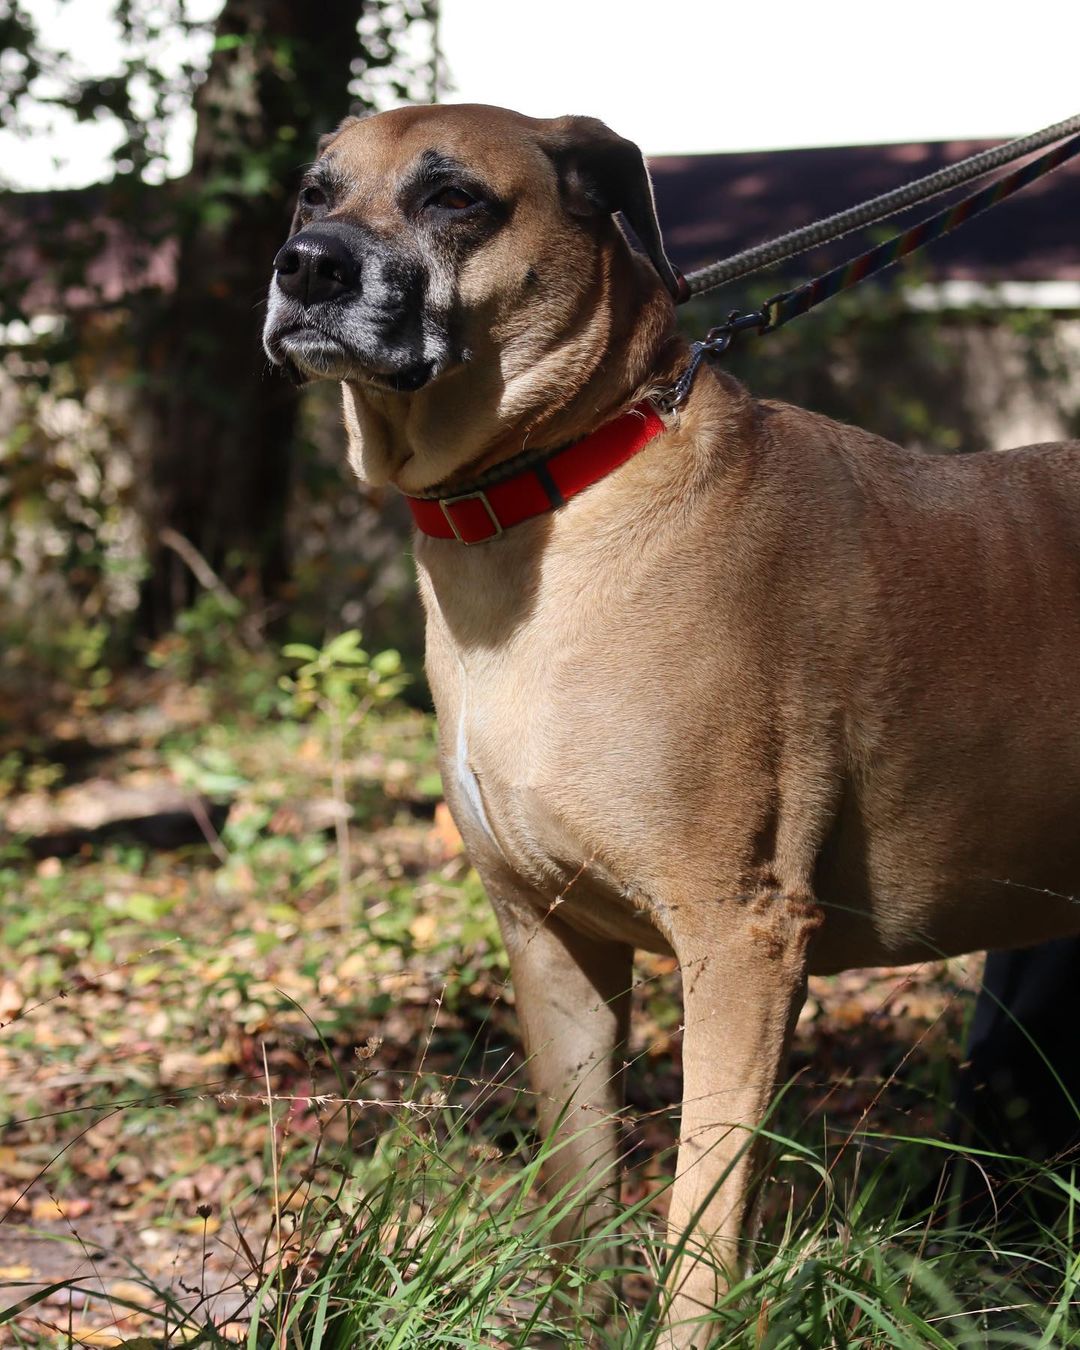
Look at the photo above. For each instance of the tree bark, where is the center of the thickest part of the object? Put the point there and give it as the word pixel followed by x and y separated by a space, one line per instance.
pixel 223 421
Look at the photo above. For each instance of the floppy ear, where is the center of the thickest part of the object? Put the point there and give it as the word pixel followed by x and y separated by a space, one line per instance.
pixel 602 172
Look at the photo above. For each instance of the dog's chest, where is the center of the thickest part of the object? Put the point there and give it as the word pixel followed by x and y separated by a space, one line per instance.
pixel 496 749
pixel 507 763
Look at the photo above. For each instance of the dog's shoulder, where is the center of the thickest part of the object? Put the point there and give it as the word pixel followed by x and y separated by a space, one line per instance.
pixel 804 444
pixel 787 421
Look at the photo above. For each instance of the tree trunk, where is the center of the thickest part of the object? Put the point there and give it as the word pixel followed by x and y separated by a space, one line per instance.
pixel 224 422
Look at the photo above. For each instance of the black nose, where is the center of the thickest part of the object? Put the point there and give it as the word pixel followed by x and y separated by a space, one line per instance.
pixel 314 267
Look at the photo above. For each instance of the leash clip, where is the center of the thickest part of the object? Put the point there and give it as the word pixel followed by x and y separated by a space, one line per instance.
pixel 716 342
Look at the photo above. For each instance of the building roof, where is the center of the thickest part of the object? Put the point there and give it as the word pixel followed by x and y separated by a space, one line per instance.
pixel 81 248
pixel 712 206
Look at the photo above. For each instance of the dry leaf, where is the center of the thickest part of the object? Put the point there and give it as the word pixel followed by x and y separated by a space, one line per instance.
pixel 44 1207
pixel 131 1292
pixel 424 929
pixel 197 1225
pixel 11 999
pixel 445 833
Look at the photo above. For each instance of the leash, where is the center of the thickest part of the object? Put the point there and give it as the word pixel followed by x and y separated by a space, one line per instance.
pixel 876 209
pixel 788 305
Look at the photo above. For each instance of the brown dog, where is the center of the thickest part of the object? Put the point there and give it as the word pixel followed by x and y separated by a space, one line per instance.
pixel 775 695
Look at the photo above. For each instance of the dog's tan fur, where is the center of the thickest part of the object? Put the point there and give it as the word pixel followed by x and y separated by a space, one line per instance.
pixel 777 696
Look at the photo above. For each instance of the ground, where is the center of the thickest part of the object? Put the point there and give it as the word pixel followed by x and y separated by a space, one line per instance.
pixel 323 957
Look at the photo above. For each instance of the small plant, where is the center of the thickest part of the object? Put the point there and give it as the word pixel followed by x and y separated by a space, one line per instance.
pixel 341 679
pixel 340 684
pixel 205 639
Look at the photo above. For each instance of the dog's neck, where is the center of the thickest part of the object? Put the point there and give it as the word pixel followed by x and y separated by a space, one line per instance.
pixel 537 388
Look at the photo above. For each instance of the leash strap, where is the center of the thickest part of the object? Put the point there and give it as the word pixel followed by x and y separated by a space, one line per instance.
pixel 870 212
pixel 484 512
pixel 790 304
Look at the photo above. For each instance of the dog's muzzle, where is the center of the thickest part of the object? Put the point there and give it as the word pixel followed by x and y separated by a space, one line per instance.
pixel 346 305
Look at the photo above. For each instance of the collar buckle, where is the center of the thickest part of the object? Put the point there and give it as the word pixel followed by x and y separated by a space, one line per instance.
pixel 479 496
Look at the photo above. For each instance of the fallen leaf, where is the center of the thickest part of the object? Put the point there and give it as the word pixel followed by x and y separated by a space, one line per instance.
pixel 197 1225
pixel 12 1198
pixel 849 1013
pixel 131 1292
pixel 424 929
pixel 445 833
pixel 11 999
pixel 45 1207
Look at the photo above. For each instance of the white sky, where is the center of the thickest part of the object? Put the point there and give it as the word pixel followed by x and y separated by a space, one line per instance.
pixel 690 75
pixel 681 76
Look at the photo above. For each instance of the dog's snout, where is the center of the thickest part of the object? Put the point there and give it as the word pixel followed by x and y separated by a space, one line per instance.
pixel 313 268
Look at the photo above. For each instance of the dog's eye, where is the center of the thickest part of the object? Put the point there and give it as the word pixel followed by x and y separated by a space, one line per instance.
pixel 312 197
pixel 452 199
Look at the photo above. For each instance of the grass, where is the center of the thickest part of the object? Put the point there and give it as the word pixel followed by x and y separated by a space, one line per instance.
pixel 424 1247
pixel 235 1113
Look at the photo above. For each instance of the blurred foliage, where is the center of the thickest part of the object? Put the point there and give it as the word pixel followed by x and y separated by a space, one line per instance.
pixel 143 94
pixel 70 553
pixel 132 405
pixel 151 87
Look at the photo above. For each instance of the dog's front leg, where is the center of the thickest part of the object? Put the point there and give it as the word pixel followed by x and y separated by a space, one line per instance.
pixel 743 985
pixel 573 1002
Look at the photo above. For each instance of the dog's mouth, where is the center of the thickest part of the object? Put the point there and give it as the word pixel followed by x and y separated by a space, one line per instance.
pixel 307 353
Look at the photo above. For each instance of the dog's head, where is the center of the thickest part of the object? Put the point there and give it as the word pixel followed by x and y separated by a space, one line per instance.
pixel 458 262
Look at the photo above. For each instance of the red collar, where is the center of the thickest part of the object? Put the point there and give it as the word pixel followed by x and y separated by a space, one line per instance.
pixel 489 509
